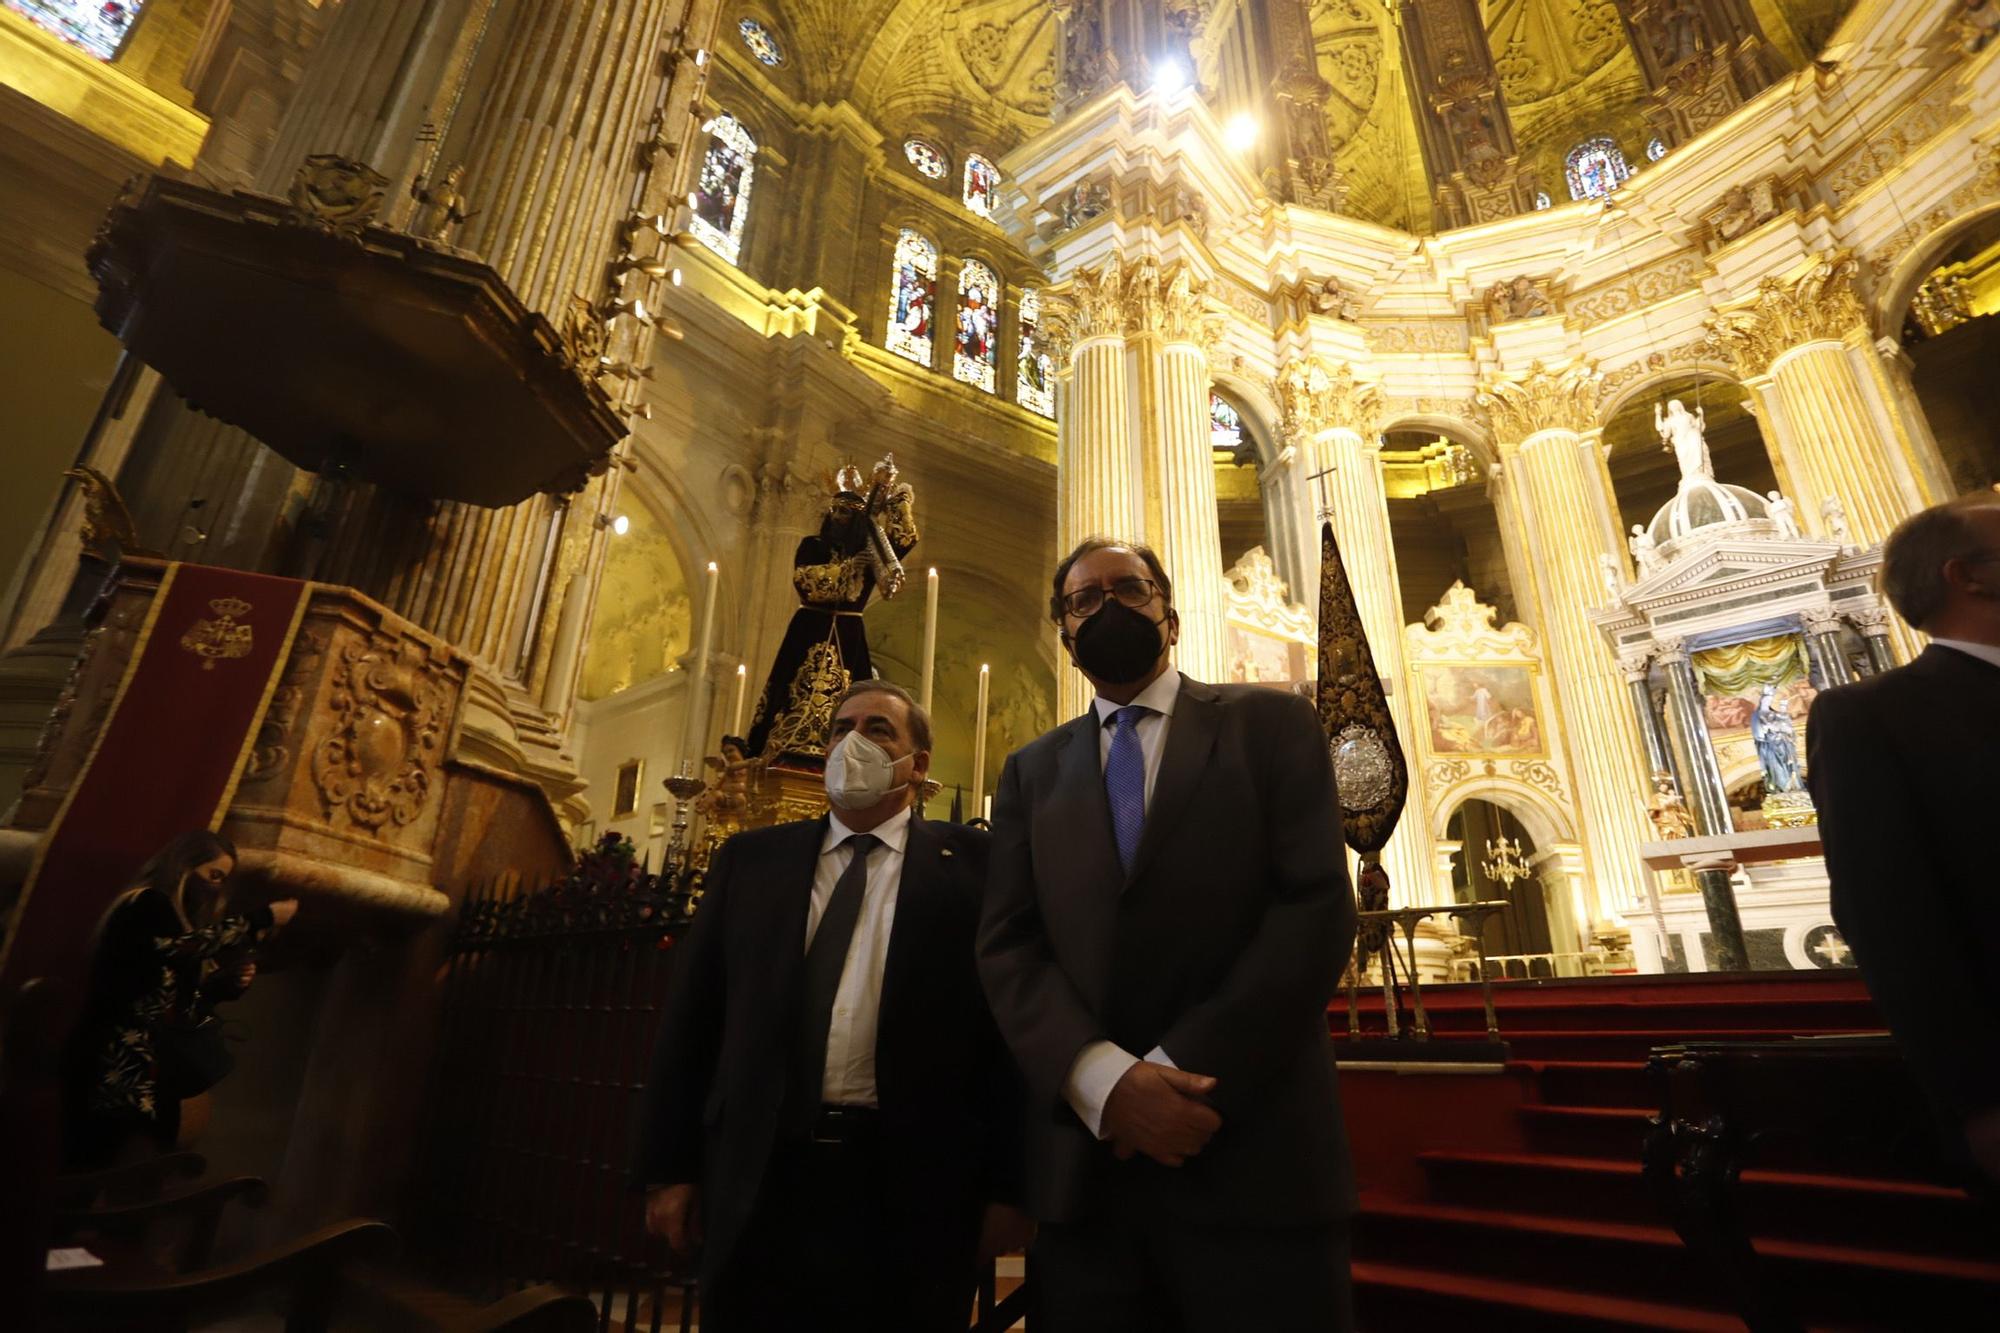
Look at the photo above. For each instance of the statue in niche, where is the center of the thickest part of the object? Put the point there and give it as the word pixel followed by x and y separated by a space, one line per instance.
pixel 1081 204
pixel 1975 24
pixel 1645 551
pixel 1523 298
pixel 1330 300
pixel 440 204
pixel 866 529
pixel 1835 517
pixel 1686 434
pixel 1777 742
pixel 1084 67
pixel 1677 33
pixel 1785 514
pixel 1667 812
pixel 1743 207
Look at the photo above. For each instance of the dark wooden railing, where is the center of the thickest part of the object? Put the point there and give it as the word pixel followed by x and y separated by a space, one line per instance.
pixel 551 998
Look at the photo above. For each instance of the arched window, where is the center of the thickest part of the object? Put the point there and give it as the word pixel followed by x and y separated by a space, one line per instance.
pixel 1595 168
pixel 927 158
pixel 1225 427
pixel 912 298
pixel 1035 369
pixel 98 26
pixel 978 326
pixel 721 198
pixel 982 181
pixel 763 43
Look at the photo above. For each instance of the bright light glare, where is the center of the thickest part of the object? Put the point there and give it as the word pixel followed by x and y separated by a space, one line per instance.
pixel 621 525
pixel 1241 132
pixel 1170 76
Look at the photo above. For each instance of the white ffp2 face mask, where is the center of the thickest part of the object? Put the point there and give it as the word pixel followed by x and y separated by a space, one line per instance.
pixel 859 773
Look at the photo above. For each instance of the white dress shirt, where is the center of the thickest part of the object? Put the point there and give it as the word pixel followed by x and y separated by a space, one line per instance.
pixel 857 1004
pixel 1098 1066
pixel 1985 652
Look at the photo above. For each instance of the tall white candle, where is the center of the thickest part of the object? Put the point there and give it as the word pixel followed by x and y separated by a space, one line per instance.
pixel 930 638
pixel 979 743
pixel 696 734
pixel 986 810
pixel 736 712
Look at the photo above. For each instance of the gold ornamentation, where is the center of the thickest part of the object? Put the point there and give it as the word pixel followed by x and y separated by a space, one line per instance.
pixel 440 207
pixel 1543 399
pixel 388 723
pixel 1429 336
pixel 224 638
pixel 336 195
pixel 1096 298
pixel 108 530
pixel 1311 399
pixel 1789 809
pixel 1656 282
pixel 1522 298
pixel 1817 305
pixel 802 728
pixel 584 338
pixel 272 750
pixel 1983 188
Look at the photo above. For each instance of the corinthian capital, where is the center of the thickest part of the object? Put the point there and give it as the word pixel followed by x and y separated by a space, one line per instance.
pixel 1814 306
pixel 1543 399
pixel 1183 303
pixel 1312 399
pixel 1095 298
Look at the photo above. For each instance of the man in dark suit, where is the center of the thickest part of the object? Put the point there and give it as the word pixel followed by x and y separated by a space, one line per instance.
pixel 1167 916
pixel 831 1112
pixel 1902 768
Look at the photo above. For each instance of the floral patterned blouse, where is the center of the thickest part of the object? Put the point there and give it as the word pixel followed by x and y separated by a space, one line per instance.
pixel 149 969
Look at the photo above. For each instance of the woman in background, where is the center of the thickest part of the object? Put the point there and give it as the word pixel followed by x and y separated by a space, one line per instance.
pixel 164 955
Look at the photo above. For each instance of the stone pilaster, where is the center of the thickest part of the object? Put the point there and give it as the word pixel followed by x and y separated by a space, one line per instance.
pixel 1544 422
pixel 1468 137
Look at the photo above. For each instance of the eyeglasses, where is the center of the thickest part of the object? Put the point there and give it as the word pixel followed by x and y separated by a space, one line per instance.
pixel 1131 591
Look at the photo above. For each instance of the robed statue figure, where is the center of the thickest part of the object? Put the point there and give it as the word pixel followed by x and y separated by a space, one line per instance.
pixel 1777 742
pixel 864 533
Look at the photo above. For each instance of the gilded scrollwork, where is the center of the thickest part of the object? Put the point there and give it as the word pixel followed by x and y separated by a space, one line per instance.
pixel 1540 400
pixel 808 715
pixel 336 195
pixel 377 764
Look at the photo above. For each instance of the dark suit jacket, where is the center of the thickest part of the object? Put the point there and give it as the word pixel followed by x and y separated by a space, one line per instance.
pixel 1223 947
pixel 1902 768
pixel 949 1095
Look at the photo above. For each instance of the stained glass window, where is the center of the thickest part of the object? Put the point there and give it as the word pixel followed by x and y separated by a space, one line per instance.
pixel 98 26
pixel 1225 428
pixel 912 296
pixel 1595 168
pixel 982 182
pixel 978 326
pixel 721 199
pixel 1655 150
pixel 1035 371
pixel 927 158
pixel 761 42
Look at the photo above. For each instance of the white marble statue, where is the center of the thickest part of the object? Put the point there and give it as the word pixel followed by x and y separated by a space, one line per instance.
pixel 1685 434
pixel 1645 551
pixel 1835 517
pixel 1785 514
pixel 1614 584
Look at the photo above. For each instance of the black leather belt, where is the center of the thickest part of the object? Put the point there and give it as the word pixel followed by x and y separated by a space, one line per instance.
pixel 846 1124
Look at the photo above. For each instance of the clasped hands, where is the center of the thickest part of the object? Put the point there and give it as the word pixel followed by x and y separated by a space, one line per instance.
pixel 1158 1110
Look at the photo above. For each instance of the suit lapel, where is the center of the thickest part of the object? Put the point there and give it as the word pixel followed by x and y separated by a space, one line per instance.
pixel 792 870
pixel 915 898
pixel 1077 814
pixel 1190 738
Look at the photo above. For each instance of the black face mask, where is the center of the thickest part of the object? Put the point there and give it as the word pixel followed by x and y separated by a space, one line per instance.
pixel 1117 645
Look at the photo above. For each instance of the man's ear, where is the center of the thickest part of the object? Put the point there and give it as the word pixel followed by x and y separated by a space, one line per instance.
pixel 1173 627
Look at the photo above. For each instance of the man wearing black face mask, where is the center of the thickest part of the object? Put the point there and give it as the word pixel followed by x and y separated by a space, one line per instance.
pixel 830 1113
pixel 1167 916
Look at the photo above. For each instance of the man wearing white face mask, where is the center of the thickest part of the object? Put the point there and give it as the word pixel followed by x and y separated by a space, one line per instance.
pixel 831 1114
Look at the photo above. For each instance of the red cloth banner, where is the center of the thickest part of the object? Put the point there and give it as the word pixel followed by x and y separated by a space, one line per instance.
pixel 167 759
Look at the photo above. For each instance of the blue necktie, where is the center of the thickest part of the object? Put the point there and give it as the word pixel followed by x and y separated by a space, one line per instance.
pixel 1125 782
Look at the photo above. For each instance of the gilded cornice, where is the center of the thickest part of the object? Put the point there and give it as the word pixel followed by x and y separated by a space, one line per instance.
pixel 1818 305
pixel 1543 399
pixel 1312 399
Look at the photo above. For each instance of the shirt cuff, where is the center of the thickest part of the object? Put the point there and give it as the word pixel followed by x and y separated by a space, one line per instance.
pixel 1158 1056
pixel 1092 1075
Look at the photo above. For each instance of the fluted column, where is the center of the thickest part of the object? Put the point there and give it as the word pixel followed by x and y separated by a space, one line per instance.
pixel 1096 473
pixel 1336 421
pixel 1183 523
pixel 1709 801
pixel 1843 440
pixel 1563 508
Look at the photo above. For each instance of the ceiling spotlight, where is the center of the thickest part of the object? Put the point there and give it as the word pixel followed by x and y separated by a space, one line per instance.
pixel 649 265
pixel 658 223
pixel 621 525
pixel 632 306
pixel 1240 135
pixel 1169 76
pixel 674 276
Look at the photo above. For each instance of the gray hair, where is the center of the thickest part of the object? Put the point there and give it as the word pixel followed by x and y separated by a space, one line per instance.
pixel 1914 557
pixel 920 719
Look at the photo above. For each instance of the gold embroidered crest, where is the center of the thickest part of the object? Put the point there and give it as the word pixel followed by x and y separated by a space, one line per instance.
pixel 221 637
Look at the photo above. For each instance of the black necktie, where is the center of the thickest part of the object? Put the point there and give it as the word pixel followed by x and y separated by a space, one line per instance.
pixel 826 959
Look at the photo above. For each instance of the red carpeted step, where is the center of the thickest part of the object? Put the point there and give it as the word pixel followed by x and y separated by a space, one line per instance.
pixel 1591 1082
pixel 1627 1044
pixel 1899 1216
pixel 1824 1283
pixel 1395 1298
pixel 1615 1132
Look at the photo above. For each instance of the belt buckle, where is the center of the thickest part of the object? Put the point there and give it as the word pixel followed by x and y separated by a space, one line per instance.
pixel 826 1126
